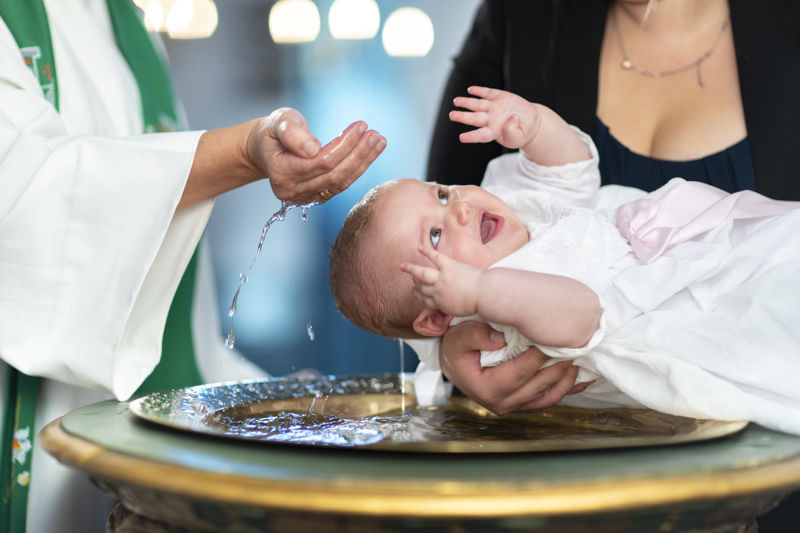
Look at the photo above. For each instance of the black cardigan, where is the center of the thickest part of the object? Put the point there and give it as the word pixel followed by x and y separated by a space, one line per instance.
pixel 548 51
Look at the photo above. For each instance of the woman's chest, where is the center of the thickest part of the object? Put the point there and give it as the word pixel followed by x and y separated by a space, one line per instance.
pixel 672 116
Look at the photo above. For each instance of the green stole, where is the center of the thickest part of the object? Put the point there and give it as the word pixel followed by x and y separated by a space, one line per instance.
pixel 28 23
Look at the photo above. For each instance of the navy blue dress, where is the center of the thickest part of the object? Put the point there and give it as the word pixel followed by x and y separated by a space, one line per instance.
pixel 730 169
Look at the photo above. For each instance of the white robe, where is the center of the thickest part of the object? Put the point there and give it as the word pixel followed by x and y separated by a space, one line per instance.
pixel 707 330
pixel 91 247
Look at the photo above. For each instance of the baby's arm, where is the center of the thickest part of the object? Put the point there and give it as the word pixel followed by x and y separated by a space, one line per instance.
pixel 547 309
pixel 538 131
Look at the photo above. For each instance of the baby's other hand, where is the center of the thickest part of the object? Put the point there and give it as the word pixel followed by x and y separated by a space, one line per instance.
pixel 497 116
pixel 449 285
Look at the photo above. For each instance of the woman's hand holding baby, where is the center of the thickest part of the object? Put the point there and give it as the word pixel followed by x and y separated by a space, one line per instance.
pixel 449 285
pixel 516 385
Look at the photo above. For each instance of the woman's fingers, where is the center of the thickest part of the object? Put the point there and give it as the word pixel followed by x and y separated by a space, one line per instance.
pixel 459 357
pixel 518 381
pixel 459 353
pixel 518 384
pixel 556 392
pixel 531 391
pixel 580 387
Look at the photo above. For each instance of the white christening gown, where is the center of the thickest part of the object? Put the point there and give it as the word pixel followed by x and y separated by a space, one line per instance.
pixel 701 296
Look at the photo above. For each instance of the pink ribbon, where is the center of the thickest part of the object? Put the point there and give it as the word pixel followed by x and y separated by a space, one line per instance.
pixel 684 211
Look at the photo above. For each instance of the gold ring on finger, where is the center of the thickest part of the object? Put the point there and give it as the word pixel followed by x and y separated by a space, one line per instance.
pixel 326 195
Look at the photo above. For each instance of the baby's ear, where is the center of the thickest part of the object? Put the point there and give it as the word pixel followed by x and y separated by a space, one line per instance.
pixel 432 323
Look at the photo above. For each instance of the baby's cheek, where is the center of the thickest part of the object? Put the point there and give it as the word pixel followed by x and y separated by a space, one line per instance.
pixel 460 250
pixel 483 258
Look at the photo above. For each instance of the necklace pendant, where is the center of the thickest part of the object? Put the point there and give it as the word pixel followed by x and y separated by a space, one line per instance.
pixel 626 64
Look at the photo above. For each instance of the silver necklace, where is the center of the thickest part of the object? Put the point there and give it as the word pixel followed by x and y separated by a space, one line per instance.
pixel 628 65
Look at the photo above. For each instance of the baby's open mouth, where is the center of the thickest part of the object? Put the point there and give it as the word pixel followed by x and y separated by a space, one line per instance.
pixel 490 226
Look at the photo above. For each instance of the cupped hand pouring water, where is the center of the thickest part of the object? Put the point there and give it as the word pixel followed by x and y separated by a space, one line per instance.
pixel 280 147
pixel 299 170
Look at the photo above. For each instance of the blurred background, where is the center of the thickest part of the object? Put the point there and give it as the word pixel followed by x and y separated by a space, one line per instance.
pixel 231 69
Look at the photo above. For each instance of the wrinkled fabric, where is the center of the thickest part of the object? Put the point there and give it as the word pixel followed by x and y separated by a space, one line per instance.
pixel 682 211
pixel 91 247
pixel 705 326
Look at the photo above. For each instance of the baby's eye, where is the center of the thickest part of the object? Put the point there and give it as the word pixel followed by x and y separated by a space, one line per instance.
pixel 442 194
pixel 435 234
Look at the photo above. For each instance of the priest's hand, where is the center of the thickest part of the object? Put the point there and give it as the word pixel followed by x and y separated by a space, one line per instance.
pixel 299 169
pixel 280 147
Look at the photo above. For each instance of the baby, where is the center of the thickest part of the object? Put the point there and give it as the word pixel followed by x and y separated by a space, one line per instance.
pixel 684 300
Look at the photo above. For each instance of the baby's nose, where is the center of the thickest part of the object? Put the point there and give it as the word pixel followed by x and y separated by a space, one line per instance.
pixel 461 211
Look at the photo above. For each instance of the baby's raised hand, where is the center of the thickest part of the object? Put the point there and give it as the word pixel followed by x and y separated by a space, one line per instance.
pixel 497 116
pixel 450 286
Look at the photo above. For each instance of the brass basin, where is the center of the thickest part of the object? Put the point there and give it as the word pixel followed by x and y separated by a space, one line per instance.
pixel 380 413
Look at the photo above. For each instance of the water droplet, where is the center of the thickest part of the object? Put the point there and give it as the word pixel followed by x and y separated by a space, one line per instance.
pixel 316 397
pixel 278 216
pixel 310 331
pixel 401 344
pixel 234 303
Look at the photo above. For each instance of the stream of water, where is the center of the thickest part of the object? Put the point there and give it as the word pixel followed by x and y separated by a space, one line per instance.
pixel 230 339
pixel 278 216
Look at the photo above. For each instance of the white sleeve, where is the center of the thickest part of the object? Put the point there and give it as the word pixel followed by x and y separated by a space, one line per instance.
pixel 429 385
pixel 576 183
pixel 91 248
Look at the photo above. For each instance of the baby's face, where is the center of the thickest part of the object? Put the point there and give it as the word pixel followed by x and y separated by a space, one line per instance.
pixel 465 223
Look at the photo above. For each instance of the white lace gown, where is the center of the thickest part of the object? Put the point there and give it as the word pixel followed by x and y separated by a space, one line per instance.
pixel 709 329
